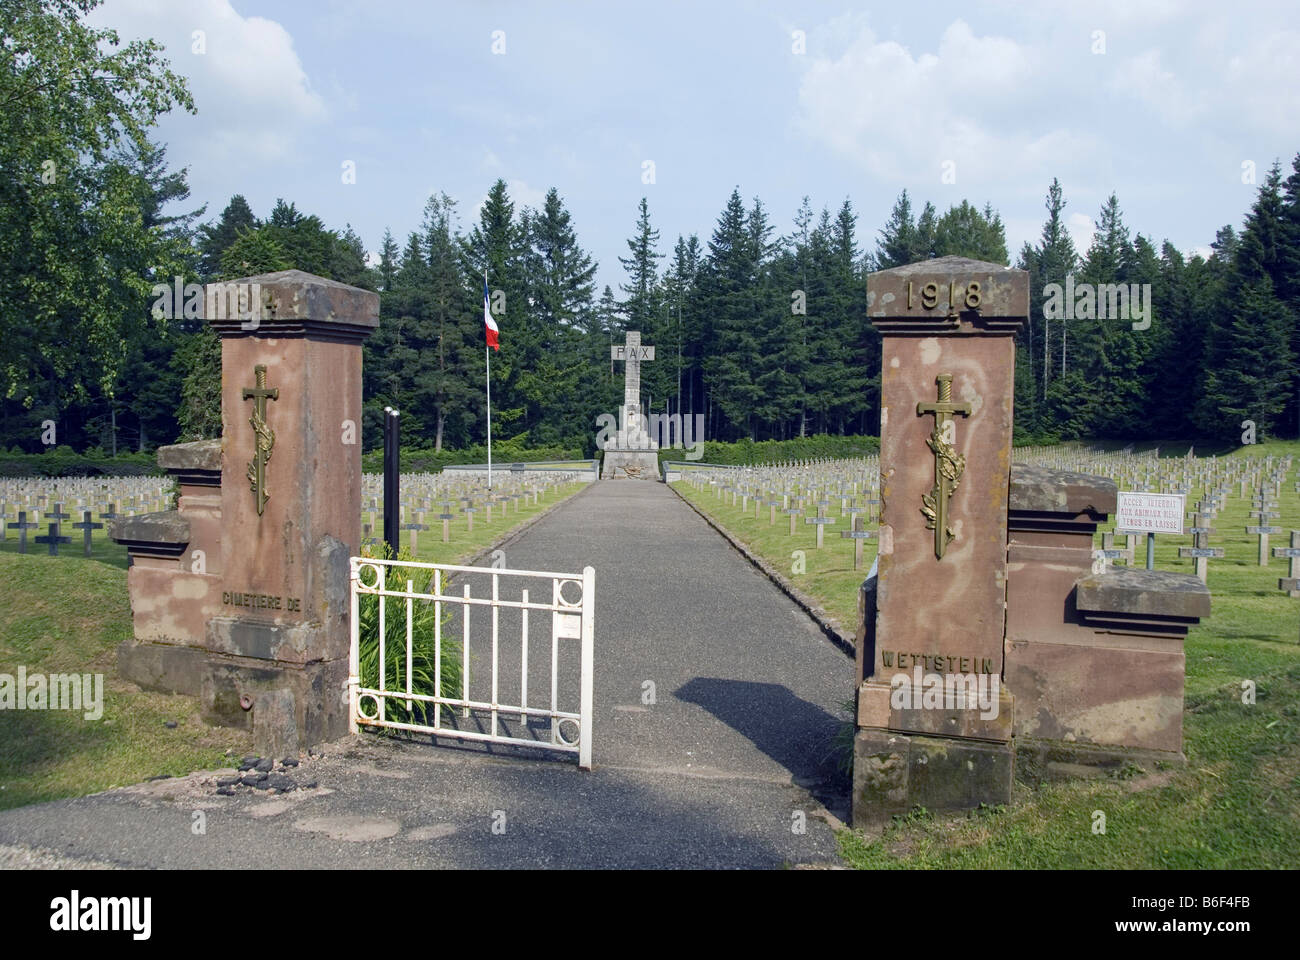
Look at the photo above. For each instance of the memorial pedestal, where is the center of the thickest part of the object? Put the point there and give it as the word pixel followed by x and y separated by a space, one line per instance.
pixel 259 628
pixel 934 719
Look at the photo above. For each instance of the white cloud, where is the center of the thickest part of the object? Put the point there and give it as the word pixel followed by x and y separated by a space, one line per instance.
pixel 252 94
pixel 1081 230
pixel 1261 82
pixel 1107 14
pixel 1147 79
pixel 1244 79
pixel 902 116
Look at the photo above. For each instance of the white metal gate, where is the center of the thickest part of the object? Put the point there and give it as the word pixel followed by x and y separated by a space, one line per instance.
pixel 392 680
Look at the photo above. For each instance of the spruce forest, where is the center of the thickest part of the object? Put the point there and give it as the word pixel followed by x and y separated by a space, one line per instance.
pixel 763 334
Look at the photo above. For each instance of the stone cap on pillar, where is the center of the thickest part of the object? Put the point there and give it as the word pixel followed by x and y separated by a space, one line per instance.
pixel 1155 603
pixel 1158 592
pixel 1041 494
pixel 164 534
pixel 291 303
pixel 950 295
pixel 197 463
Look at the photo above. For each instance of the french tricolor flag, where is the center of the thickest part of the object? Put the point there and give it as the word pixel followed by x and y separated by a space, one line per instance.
pixel 491 324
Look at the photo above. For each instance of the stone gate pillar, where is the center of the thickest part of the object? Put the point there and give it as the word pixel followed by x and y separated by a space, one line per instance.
pixel 290 496
pixel 947 364
pixel 241 594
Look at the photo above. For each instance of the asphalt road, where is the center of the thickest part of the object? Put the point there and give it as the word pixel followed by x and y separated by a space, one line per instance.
pixel 716 700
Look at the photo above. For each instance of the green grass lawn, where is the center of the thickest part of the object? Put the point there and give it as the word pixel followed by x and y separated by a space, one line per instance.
pixel 1237 802
pixel 68 614
pixel 826 574
pixel 463 544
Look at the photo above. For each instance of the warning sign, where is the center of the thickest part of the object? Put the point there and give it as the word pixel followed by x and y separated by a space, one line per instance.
pixel 1149 512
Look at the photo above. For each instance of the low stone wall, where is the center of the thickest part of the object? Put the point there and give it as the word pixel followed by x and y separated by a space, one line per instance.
pixel 581 471
pixel 1094 661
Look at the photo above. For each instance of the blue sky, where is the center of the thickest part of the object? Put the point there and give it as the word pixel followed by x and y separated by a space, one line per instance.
pixel 999 96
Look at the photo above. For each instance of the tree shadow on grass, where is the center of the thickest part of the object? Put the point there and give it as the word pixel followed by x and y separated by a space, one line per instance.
pixel 33 742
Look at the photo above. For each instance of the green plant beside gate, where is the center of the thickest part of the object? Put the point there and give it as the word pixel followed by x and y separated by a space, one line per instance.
pixel 424 649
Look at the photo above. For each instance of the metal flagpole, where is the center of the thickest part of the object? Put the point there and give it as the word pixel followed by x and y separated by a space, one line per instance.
pixel 487 359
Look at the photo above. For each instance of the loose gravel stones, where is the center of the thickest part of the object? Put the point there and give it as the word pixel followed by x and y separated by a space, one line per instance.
pixel 260 774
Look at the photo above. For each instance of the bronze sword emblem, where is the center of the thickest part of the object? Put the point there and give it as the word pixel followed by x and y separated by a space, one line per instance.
pixel 263 434
pixel 949 465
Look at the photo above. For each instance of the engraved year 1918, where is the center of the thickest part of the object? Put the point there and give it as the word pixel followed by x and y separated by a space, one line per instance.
pixel 929 296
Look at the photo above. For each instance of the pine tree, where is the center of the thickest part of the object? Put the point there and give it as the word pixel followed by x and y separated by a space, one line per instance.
pixel 825 362
pixel 561 288
pixel 387 262
pixel 642 271
pixel 215 238
pixel 1182 293
pixel 442 382
pixel 1028 393
pixel 780 350
pixel 303 238
pixel 498 247
pixel 1054 260
pixel 1106 350
pixel 347 261
pixel 851 344
pixel 730 344
pixel 1248 360
pixel 966 232
pixel 927 225
pixel 897 244
pixel 677 292
pixel 1286 285
pixel 198 356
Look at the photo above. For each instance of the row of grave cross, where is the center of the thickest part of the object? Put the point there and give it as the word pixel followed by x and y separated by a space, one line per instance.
pixel 131 495
pixel 1209 481
pixel 796 489
pixel 455 496
pixel 153 494
pixel 30 496
pixel 53 518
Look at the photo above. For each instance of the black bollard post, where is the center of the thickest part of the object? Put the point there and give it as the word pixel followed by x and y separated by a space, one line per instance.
pixel 392 465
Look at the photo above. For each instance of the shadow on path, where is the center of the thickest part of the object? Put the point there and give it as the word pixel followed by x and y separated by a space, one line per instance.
pixel 795 733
